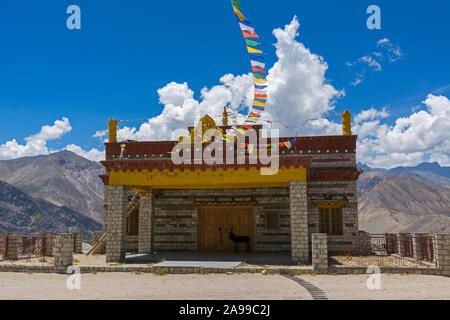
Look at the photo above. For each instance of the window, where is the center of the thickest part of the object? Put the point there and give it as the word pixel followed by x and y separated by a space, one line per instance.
pixel 272 220
pixel 330 220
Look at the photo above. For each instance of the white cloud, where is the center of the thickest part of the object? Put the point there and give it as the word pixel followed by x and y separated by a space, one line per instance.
pixel 35 144
pixel 93 154
pixel 372 62
pixel 371 114
pixel 422 136
pixel 394 52
pixel 298 90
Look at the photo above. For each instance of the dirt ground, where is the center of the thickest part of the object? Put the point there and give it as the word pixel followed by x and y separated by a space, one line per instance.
pixel 221 286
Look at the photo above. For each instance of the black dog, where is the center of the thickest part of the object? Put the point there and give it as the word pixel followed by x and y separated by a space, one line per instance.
pixel 239 239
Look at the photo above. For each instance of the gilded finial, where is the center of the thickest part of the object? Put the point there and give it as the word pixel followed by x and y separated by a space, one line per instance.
pixel 113 130
pixel 225 116
pixel 347 123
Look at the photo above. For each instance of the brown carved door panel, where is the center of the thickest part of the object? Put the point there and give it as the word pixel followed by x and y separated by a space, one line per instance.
pixel 215 224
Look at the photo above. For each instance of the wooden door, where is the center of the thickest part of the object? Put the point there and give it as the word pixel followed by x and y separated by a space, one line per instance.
pixel 215 224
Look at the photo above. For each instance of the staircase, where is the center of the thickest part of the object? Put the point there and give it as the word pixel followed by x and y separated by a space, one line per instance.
pixel 132 205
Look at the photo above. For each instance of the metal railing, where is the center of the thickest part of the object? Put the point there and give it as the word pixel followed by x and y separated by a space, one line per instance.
pixel 402 250
pixel 31 245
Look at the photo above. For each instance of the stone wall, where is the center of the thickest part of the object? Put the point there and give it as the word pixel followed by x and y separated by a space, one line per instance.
pixel 299 222
pixel 132 243
pixel 77 242
pixel 63 251
pixel 346 189
pixel 116 202
pixel 442 253
pixel 319 252
pixel 145 223
pixel 175 216
pixel 348 245
pixel 12 250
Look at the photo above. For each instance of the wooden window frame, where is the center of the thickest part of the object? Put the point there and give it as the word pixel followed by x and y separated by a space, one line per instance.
pixel 266 214
pixel 329 206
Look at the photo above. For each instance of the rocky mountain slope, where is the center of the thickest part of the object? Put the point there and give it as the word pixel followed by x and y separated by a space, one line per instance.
pixel 17 212
pixel 402 203
pixel 62 178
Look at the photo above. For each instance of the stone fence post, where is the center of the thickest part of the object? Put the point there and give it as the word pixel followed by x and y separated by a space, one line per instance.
pixel 63 251
pixel 442 253
pixel 77 242
pixel 417 245
pixel 12 249
pixel 47 245
pixel 319 251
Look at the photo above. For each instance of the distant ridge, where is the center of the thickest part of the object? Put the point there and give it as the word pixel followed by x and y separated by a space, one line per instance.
pixel 405 199
pixel 17 212
pixel 62 178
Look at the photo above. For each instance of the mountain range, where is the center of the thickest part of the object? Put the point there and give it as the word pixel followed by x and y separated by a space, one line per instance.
pixel 63 187
pixel 405 199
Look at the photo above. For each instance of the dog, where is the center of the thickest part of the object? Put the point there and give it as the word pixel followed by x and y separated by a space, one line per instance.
pixel 239 239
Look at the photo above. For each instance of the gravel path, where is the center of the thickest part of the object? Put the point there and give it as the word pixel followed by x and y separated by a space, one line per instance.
pixel 221 286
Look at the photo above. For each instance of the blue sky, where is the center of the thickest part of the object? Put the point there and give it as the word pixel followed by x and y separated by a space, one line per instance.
pixel 127 50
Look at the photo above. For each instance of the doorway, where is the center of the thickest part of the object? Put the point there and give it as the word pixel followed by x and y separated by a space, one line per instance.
pixel 216 222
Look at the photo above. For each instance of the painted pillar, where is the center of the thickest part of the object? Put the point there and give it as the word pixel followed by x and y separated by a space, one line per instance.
pixel 115 205
pixel 299 222
pixel 145 223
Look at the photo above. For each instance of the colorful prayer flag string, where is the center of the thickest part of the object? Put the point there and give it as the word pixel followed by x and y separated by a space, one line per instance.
pixel 258 70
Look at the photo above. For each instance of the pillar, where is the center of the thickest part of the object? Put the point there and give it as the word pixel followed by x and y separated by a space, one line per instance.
pixel 401 245
pixel 299 221
pixel 12 249
pixel 63 251
pixel 442 253
pixel 116 202
pixel 417 246
pixel 319 251
pixel 145 223
pixel 47 245
pixel 77 242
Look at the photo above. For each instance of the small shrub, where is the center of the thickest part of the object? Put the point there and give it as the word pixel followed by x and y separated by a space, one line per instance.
pixel 204 271
pixel 159 271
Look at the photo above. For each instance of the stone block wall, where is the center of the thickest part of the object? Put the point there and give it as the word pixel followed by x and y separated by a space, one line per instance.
pixel 175 216
pixel 299 221
pixel 77 242
pixel 349 245
pixel 132 243
pixel 347 189
pixel 319 252
pixel 442 253
pixel 145 223
pixel 63 252
pixel 47 248
pixel 12 250
pixel 115 209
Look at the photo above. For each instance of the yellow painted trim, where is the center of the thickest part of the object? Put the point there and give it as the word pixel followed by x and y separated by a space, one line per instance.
pixel 208 179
